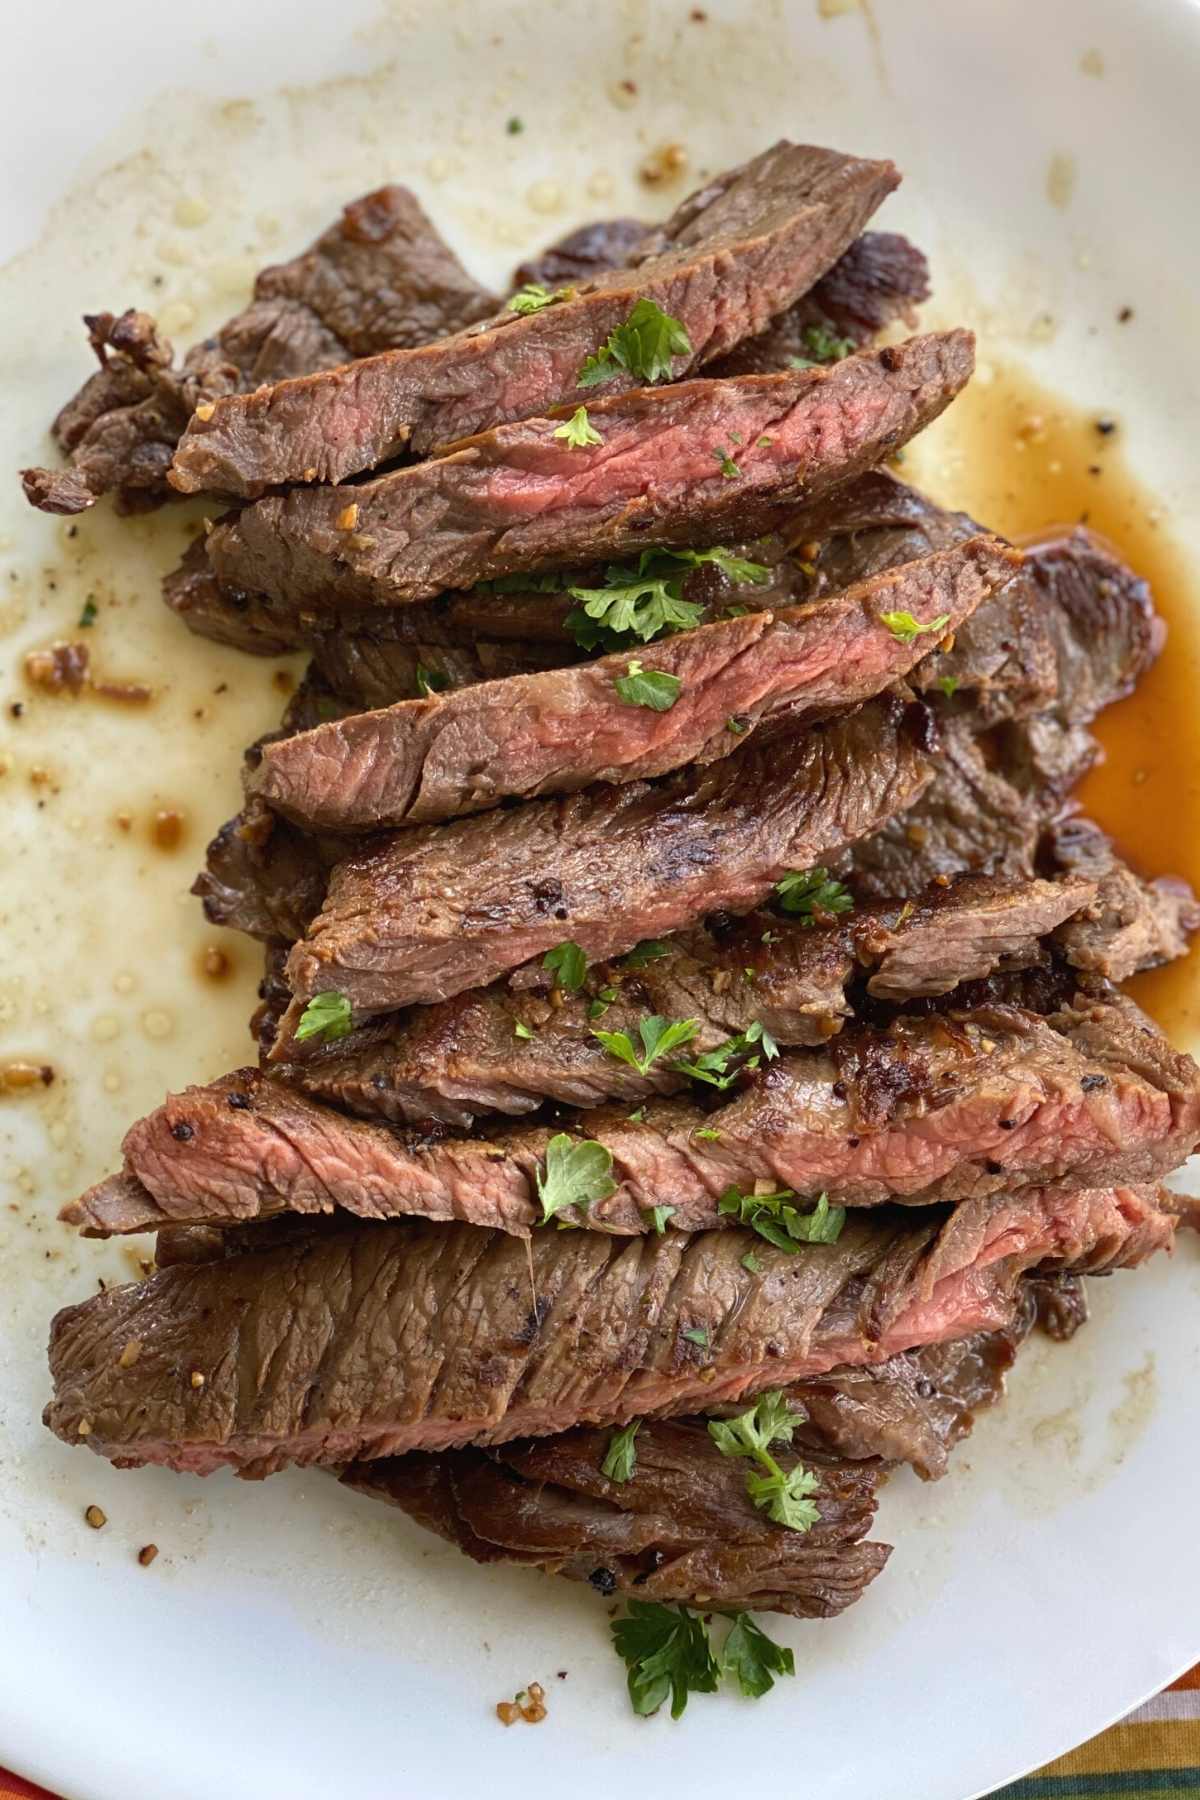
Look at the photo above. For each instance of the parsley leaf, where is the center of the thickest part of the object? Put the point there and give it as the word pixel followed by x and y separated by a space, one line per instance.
pixel 514 126
pixel 949 685
pixel 431 681
pixel 648 687
pixel 533 297
pixel 658 1036
pixel 326 1016
pixel 753 1659
pixel 697 1335
pixel 644 600
pixel 578 1172
pixel 708 1137
pixel 729 468
pixel 600 1005
pixel 658 1215
pixel 579 431
pixel 714 1065
pixel 774 1217
pixel 568 964
pixel 667 1652
pixel 521 1030
pixel 649 950
pixel 643 346
pixel 88 615
pixel 823 346
pixel 905 628
pixel 620 1459
pixel 809 893
pixel 751 1262
pixel 781 1494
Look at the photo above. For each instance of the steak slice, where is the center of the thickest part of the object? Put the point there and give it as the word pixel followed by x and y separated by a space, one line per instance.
pixel 520 498
pixel 952 1106
pixel 496 1050
pixel 587 251
pixel 373 1341
pixel 379 279
pixel 682 1528
pixel 263 876
pixel 727 262
pixel 1130 924
pixel 437 909
pixel 461 752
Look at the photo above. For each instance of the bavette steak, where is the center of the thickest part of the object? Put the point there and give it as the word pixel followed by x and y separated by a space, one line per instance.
pixel 372 1341
pixel 682 464
pixel 725 264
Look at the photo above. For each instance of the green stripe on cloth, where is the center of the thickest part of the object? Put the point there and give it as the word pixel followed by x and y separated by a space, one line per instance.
pixel 1129 1784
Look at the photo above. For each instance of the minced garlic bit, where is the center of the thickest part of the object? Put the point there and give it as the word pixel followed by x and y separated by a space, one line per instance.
pixel 529 1704
pixel 130 1354
pixel 205 411
pixel 147 1554
pixel 197 1379
pixel 84 1428
pixel 95 1517
pixel 347 519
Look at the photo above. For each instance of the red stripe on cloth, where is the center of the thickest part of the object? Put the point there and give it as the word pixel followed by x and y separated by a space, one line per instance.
pixel 1190 1680
pixel 15 1787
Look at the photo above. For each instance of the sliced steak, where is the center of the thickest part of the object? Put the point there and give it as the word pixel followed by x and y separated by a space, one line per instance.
pixel 438 909
pixel 1130 924
pixel 263 876
pixel 682 1528
pixel 945 1107
pixel 725 264
pixel 520 498
pixel 587 251
pixel 373 1341
pixel 1102 619
pixel 464 751
pixel 379 279
pixel 496 1050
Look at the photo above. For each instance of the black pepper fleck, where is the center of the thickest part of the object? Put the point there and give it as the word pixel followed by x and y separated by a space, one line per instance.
pixel 1008 1124
pixel 182 1131
pixel 1106 427
pixel 604 1581
pixel 1124 316
pixel 239 1102
pixel 1089 1083
pixel 994 1168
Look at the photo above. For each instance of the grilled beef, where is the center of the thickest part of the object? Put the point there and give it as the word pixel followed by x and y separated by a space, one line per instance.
pixel 496 1050
pixel 944 1107
pixel 381 278
pixel 437 909
pixel 728 261
pixel 521 498
pixel 461 752
pixel 1129 924
pixel 372 1341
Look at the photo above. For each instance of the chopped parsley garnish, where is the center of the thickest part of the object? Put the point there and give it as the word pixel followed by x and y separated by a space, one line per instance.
pixel 620 1459
pixel 783 1496
pixel 823 346
pixel 658 1215
pixel 636 1118
pixel 533 297
pixel 603 1000
pixel 654 688
pixel 659 1036
pixel 904 628
pixel 431 681
pixel 514 126
pixel 949 685
pixel 714 1066
pixel 326 1016
pixel 697 1335
pixel 751 1262
pixel 774 1218
pixel 568 965
pixel 644 600
pixel 810 893
pixel 578 430
pixel 643 347
pixel 668 1653
pixel 649 950
pixel 737 726
pixel 708 1137
pixel 88 615
pixel 522 1030
pixel 729 468
pixel 578 1172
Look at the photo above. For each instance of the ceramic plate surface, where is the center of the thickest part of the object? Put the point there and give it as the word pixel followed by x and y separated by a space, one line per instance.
pixel 291 1638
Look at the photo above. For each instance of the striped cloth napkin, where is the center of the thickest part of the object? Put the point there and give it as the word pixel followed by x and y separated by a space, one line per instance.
pixel 1155 1751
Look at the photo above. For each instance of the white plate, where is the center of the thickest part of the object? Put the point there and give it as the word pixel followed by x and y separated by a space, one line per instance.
pixel 292 1639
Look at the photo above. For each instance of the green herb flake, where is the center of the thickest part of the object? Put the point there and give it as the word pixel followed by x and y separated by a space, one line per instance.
pixel 728 467
pixel 823 346
pixel 603 1000
pixel 657 1216
pixel 764 443
pixel 620 1459
pixel 737 726
pixel 636 1118
pixel 667 1652
pixel 514 127
pixel 751 1262
pixel 644 600
pixel 752 1659
pixel 577 1172
pixel 88 616
pixel 904 628
pixel 782 1494
pixel 578 431
pixel 431 681
pixel 648 951
pixel 721 1067
pixel 521 1030
pixel 775 1218
pixel 949 685
pixel 568 965
pixel 643 347
pixel 697 1335
pixel 326 1016
pixel 533 298
pixel 653 688
pixel 659 1037
pixel 708 1137
pixel 812 894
